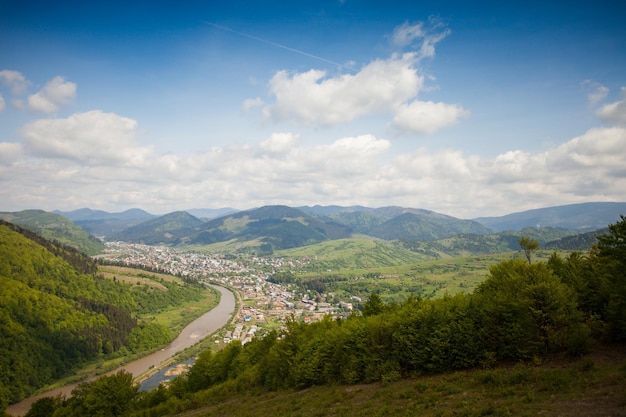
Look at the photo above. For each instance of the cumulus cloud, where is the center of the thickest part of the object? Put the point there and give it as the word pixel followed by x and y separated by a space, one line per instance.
pixel 313 98
pixel 426 116
pixel 279 142
pixel 614 113
pixel 14 80
pixel 56 93
pixel 10 152
pixel 93 137
pixel 76 161
pixel 382 86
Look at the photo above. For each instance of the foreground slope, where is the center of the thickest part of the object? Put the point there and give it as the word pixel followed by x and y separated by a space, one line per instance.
pixel 57 313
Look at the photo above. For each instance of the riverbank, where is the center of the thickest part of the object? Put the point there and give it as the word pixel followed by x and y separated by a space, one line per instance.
pixel 197 330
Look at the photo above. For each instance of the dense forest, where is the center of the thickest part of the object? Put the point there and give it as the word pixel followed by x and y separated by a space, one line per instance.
pixel 523 311
pixel 57 313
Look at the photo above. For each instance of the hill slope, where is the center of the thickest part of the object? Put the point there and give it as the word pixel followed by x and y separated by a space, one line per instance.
pixel 58 313
pixel 55 227
pixel 275 227
pixel 425 226
pixel 166 229
pixel 54 316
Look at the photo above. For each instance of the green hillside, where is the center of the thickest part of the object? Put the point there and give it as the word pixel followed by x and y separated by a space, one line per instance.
pixel 467 244
pixel 274 227
pixel 167 229
pixel 57 313
pixel 55 227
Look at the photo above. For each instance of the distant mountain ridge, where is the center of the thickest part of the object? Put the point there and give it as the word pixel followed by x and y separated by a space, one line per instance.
pixel 167 229
pixel 278 227
pixel 581 217
pixel 395 222
pixel 102 223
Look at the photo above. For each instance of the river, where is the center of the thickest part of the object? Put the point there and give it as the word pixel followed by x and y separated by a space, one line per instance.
pixel 198 329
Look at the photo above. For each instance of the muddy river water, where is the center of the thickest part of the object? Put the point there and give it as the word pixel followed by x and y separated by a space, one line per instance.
pixel 193 333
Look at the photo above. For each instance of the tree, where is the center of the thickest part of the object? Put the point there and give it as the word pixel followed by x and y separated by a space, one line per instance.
pixel 526 310
pixel 373 306
pixel 528 245
pixel 107 396
pixel 612 256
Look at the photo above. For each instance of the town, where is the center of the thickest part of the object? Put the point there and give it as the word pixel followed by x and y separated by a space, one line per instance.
pixel 264 305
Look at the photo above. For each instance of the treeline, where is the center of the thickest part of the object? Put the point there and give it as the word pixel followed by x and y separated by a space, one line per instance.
pixel 56 313
pixel 522 312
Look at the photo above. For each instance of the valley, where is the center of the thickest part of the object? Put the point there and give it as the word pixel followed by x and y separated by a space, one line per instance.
pixel 298 277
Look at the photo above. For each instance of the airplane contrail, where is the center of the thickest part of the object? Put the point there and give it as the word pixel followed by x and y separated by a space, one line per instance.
pixel 280 46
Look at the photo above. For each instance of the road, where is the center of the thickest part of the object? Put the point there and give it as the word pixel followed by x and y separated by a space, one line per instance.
pixel 200 328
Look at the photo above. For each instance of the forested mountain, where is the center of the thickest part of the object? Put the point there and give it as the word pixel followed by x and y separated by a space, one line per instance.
pixel 166 229
pixel 102 223
pixel 275 227
pixel 55 227
pixel 577 242
pixel 581 217
pixel 56 312
pixel 393 222
pixel 270 228
pixel 282 227
pixel 425 226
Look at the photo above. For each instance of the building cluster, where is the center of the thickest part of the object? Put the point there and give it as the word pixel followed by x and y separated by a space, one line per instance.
pixel 264 303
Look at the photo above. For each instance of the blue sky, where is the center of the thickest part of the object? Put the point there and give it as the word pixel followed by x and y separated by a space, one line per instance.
pixel 468 109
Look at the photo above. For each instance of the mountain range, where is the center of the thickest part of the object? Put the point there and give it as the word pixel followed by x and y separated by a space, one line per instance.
pixel 276 227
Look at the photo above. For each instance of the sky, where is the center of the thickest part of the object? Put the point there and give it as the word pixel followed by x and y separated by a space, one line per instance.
pixel 465 108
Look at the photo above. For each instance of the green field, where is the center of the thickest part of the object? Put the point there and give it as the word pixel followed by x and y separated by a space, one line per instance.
pixel 361 266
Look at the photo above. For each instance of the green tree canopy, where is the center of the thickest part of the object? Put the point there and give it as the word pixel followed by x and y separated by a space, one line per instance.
pixel 528 245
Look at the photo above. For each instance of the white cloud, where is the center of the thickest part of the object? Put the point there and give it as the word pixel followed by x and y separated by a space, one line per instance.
pixel 406 34
pixel 93 137
pixel 382 86
pixel 93 159
pixel 2 104
pixel 614 113
pixel 14 80
pixel 10 152
pixel 427 117
pixel 596 92
pixel 280 142
pixel 312 98
pixel 56 93
pixel 252 103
